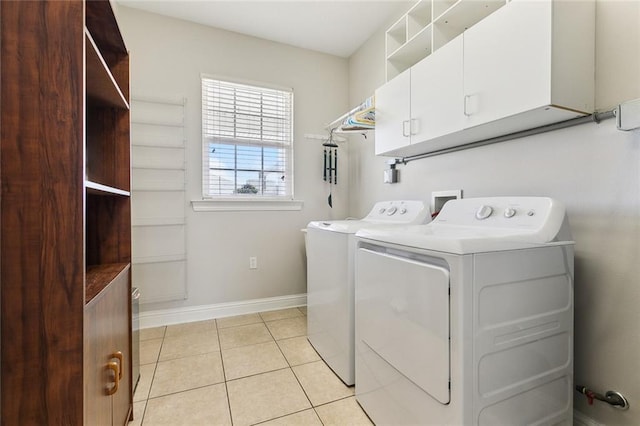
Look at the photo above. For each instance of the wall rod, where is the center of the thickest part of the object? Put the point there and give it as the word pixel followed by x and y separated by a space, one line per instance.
pixel 592 118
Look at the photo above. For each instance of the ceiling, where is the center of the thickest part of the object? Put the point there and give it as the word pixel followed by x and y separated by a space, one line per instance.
pixel 334 27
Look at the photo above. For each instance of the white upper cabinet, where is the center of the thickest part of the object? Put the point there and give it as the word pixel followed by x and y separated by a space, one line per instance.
pixel 436 91
pixel 393 104
pixel 529 63
pixel 528 55
pixel 507 60
pixel 422 102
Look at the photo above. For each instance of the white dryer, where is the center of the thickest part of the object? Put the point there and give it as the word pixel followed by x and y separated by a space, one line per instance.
pixel 468 320
pixel 330 247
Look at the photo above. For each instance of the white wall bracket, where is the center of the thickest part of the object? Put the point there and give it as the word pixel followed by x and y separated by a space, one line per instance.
pixel 628 115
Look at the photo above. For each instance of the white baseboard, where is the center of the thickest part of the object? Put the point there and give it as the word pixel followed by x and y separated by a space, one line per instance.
pixel 162 317
pixel 580 419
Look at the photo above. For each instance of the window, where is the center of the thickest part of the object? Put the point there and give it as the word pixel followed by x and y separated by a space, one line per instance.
pixel 247 134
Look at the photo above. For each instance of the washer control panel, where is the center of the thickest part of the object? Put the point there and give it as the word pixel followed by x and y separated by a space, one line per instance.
pixel 403 211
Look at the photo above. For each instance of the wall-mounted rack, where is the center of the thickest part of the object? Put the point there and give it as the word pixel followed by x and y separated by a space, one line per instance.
pixel 159 199
pixel 359 119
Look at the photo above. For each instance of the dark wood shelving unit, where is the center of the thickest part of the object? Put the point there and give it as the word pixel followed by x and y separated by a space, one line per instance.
pixel 99 276
pixel 99 189
pixel 102 89
pixel 65 215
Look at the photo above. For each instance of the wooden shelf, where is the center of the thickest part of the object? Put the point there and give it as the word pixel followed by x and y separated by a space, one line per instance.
pixel 102 23
pixel 98 277
pixel 100 189
pixel 102 87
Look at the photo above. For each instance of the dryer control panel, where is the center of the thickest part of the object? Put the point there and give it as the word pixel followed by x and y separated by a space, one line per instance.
pixel 535 215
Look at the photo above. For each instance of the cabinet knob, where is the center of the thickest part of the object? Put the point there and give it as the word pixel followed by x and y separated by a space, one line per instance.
pixel 113 366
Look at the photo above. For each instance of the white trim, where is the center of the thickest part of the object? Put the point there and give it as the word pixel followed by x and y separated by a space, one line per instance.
pixel 580 419
pixel 246 82
pixel 220 310
pixel 238 204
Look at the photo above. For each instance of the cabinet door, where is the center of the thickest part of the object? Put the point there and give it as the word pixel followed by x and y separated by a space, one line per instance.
pixel 392 114
pixel 507 62
pixel 119 316
pixel 436 93
pixel 97 378
pixel 107 324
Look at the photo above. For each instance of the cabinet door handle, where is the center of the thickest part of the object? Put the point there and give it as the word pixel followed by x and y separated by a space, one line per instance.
pixel 411 126
pixel 113 366
pixel 119 357
pixel 466 109
pixel 404 128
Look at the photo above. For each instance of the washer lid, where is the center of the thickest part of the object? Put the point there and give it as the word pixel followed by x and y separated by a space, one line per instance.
pixel 477 225
pixel 343 226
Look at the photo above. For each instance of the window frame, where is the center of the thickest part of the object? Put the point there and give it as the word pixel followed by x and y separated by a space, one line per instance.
pixel 247 201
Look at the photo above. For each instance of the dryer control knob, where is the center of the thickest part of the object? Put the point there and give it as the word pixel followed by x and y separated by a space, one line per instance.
pixel 403 210
pixel 391 211
pixel 382 210
pixel 484 212
pixel 509 212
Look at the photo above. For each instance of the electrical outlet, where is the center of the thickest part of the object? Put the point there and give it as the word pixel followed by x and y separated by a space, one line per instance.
pixel 253 263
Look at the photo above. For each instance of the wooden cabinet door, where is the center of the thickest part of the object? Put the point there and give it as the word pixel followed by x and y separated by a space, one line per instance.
pixel 437 97
pixel 97 350
pixel 392 114
pixel 120 307
pixel 107 323
pixel 507 62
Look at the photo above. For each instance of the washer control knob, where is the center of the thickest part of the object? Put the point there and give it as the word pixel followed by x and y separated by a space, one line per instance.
pixel 382 210
pixel 509 212
pixel 391 211
pixel 403 210
pixel 484 212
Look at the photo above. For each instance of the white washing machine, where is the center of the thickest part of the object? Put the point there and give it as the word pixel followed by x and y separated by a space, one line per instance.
pixel 330 247
pixel 468 320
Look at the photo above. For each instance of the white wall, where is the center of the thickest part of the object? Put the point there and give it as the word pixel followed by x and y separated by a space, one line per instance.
pixel 167 58
pixel 594 169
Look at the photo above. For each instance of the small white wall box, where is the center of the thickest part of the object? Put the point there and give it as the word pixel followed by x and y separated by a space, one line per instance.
pixel 628 115
pixel 391 174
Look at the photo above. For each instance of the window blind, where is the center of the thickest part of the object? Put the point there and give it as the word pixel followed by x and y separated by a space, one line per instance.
pixel 247 140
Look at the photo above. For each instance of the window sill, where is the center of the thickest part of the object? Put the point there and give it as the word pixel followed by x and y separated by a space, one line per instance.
pixel 230 205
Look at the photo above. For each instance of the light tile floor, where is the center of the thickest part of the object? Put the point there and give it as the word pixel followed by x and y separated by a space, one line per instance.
pixel 243 370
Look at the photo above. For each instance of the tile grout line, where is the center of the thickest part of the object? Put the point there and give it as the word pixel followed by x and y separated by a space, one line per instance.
pixel 146 401
pixel 296 377
pixel 224 374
